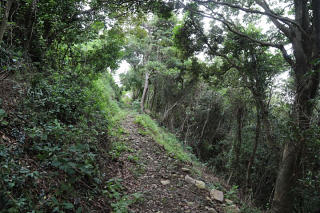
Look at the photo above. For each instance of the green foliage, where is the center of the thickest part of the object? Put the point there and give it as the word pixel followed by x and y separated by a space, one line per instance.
pixel 114 188
pixel 126 99
pixel 169 141
pixel 55 135
pixel 105 95
pixel 121 202
pixel 249 209
pixel 3 115
pixel 53 162
pixel 118 148
pixel 121 206
pixel 133 158
pixel 232 194
pixel 188 35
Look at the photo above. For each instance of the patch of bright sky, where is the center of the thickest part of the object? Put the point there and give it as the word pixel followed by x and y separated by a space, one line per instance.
pixel 123 68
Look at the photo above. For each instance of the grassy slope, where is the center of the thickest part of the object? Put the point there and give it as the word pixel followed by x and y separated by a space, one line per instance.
pixel 54 158
pixel 172 145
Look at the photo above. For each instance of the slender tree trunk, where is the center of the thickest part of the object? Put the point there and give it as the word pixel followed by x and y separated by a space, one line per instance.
pixel 145 90
pixel 153 98
pixel 166 112
pixel 254 151
pixel 4 21
pixel 267 126
pixel 205 123
pixel 29 24
pixel 237 142
pixel 237 146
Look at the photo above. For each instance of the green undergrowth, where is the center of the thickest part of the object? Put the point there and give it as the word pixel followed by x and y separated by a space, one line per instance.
pixel 121 202
pixel 54 145
pixel 171 144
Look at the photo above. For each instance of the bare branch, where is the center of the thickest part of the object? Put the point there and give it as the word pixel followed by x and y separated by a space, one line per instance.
pixel 232 27
pixel 275 21
pixel 263 43
pixel 268 12
pixel 286 56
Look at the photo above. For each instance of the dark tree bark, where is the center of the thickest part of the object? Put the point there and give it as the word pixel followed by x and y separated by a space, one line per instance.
pixel 29 24
pixel 4 21
pixel 238 144
pixel 267 126
pixel 255 146
pixel 306 50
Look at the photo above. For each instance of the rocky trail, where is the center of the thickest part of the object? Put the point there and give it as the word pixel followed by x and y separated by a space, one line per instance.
pixel 161 183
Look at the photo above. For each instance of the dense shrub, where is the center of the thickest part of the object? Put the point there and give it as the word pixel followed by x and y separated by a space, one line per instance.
pixel 54 157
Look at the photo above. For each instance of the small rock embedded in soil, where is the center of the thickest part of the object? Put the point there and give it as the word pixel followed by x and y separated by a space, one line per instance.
pixel 189 179
pixel 233 209
pixel 165 182
pixel 200 184
pixel 217 195
pixel 211 210
pixel 190 204
pixel 185 169
pixel 229 201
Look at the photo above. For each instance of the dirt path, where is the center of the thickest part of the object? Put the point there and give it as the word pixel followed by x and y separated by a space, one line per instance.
pixel 147 170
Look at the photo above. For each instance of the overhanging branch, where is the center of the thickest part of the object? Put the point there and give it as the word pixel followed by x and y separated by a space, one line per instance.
pixel 267 12
pixel 231 28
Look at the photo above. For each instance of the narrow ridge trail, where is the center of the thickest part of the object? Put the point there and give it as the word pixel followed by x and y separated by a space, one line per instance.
pixel 147 169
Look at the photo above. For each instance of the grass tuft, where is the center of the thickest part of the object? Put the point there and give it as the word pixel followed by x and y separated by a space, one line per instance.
pixel 171 144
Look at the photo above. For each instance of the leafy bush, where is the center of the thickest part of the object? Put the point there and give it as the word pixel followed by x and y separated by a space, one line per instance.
pixel 56 166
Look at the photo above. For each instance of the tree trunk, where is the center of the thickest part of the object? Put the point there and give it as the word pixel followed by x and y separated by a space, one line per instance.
pixel 254 151
pixel 237 142
pixel 237 146
pixel 166 112
pixel 205 123
pixel 290 169
pixel 153 98
pixel 145 90
pixel 283 197
pixel 267 126
pixel 306 51
pixel 4 21
pixel 29 24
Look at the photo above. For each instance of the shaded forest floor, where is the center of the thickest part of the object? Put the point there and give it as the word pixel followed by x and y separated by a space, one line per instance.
pixel 154 181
